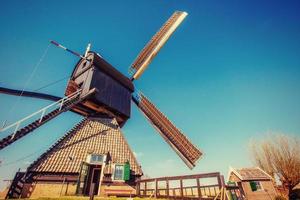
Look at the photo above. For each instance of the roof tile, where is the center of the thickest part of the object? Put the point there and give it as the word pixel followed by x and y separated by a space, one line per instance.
pixel 96 135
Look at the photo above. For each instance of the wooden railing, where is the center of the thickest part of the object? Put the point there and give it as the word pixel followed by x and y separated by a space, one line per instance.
pixel 188 186
pixel 198 186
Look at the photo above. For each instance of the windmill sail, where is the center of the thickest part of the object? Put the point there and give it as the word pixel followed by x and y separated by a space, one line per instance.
pixel 172 135
pixel 155 44
pixel 28 94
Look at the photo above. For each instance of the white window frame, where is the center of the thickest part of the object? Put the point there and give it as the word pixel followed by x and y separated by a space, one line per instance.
pixel 97 162
pixel 114 170
pixel 258 183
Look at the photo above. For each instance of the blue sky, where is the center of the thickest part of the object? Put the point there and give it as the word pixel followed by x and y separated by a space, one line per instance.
pixel 231 72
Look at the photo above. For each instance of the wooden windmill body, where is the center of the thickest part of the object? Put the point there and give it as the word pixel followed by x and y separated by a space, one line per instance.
pixel 94 156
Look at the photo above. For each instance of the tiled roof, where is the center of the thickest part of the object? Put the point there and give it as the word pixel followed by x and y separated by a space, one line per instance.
pixel 251 174
pixel 92 135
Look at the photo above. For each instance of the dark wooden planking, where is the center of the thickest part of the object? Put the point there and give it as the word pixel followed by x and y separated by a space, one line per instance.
pixel 111 93
pixel 107 68
pixel 114 90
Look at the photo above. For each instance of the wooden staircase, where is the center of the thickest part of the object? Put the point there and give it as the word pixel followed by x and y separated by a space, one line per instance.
pixel 16 186
pixel 62 105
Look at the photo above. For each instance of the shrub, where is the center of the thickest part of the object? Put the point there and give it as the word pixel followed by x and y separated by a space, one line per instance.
pixel 279 197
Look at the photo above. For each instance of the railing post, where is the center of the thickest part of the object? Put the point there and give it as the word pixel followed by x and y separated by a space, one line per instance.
pixel 138 187
pixel 155 191
pixel 167 186
pixel 219 181
pixel 61 104
pixel 181 188
pixel 16 129
pixel 198 188
pixel 145 188
pixel 43 113
pixel 222 181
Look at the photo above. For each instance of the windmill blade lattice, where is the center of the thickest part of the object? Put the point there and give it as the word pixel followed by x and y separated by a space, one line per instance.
pixel 172 135
pixel 155 44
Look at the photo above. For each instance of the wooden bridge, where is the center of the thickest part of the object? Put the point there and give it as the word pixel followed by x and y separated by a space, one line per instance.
pixel 208 186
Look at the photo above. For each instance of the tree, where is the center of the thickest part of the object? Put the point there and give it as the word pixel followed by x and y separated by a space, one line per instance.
pixel 279 155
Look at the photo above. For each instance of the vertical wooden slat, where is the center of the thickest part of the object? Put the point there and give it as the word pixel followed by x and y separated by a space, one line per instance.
pixel 219 181
pixel 198 187
pixel 167 186
pixel 138 187
pixel 155 191
pixel 181 188
pixel 222 180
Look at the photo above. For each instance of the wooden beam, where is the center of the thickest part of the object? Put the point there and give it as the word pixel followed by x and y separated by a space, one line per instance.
pixel 101 109
pixel 194 176
pixel 167 186
pixel 155 191
pixel 181 188
pixel 198 188
pixel 77 110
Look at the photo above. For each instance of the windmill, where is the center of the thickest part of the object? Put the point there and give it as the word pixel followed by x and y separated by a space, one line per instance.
pixel 97 89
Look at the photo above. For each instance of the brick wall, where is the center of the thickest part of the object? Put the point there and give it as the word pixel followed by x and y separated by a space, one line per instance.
pixel 48 190
pixel 42 189
pixel 268 191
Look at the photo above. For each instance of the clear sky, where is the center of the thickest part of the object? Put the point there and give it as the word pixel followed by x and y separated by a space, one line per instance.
pixel 231 72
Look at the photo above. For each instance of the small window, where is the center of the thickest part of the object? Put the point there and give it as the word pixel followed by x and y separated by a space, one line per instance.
pixel 119 172
pixel 255 186
pixel 95 159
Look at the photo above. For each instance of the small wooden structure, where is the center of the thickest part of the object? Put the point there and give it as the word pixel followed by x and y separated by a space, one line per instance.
pixel 255 184
pixel 113 96
pixel 197 186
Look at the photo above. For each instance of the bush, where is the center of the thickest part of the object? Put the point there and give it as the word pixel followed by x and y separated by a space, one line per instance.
pixel 279 197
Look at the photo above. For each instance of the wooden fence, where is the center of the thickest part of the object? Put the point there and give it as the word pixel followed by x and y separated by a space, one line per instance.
pixel 197 186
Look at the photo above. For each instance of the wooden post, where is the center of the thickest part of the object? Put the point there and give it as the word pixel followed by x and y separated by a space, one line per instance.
pixel 219 181
pixel 155 190
pixel 222 180
pixel 181 188
pixel 138 187
pixel 145 188
pixel 101 175
pixel 92 188
pixel 198 188
pixel 62 186
pixel 167 186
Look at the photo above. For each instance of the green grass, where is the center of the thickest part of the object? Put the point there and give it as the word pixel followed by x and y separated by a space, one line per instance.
pixel 96 198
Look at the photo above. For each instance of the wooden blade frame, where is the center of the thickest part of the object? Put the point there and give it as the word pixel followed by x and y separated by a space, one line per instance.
pixel 155 44
pixel 172 135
